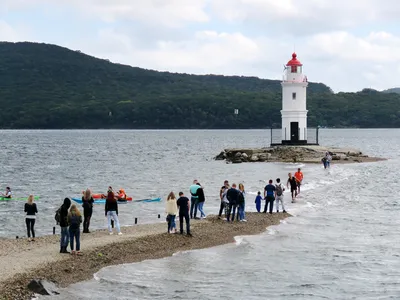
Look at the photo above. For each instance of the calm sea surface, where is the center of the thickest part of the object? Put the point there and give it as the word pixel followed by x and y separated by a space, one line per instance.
pixel 343 242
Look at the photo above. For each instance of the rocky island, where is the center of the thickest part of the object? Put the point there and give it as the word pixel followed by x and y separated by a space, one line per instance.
pixel 304 154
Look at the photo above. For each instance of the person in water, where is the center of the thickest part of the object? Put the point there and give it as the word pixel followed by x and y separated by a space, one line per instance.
pixel 111 212
pixel 293 186
pixel 183 204
pixel 74 219
pixel 8 193
pixel 171 209
pixel 87 205
pixel 269 192
pixel 31 210
pixel 279 189
pixel 326 160
pixel 258 201
pixel 64 225
pixel 299 179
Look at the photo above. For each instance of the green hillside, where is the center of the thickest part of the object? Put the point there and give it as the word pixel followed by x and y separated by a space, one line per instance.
pixel 47 86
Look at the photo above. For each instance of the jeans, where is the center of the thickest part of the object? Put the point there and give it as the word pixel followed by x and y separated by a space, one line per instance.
pixel 202 214
pixel 241 211
pixel 232 209
pixel 193 206
pixel 30 223
pixel 279 199
pixel 75 233
pixel 87 214
pixel 269 200
pixel 113 214
pixel 171 222
pixel 186 216
pixel 64 237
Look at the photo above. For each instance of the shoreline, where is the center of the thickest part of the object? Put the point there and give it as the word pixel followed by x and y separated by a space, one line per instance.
pixel 138 243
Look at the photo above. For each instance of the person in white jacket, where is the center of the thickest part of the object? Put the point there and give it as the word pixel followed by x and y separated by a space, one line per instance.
pixel 279 189
pixel 171 210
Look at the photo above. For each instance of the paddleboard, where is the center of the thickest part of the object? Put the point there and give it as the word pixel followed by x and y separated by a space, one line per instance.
pixel 17 198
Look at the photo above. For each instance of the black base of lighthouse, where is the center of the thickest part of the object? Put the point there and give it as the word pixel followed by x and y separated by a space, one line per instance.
pixel 294 143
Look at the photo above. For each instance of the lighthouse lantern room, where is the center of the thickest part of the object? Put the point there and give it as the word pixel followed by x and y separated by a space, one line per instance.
pixel 294 111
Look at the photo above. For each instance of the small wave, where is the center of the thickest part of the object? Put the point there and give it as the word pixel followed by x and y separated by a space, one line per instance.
pixel 238 240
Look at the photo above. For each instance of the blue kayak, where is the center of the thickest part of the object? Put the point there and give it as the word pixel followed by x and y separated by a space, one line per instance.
pixel 148 200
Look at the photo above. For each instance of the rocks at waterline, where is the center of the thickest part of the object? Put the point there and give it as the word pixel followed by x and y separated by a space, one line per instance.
pixel 43 287
pixel 305 154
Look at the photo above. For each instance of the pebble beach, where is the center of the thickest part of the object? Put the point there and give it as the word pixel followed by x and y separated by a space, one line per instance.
pixel 21 260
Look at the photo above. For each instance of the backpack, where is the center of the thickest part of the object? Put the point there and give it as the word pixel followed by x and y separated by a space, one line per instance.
pixel 57 216
pixel 279 190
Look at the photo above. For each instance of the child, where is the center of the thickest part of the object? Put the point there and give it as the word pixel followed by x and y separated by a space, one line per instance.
pixel 258 201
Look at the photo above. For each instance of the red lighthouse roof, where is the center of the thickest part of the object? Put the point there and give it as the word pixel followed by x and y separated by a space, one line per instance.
pixel 294 61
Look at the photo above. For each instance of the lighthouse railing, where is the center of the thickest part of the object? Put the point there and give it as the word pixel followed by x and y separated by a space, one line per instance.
pixel 281 136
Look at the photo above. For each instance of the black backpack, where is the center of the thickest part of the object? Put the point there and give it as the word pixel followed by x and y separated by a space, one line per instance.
pixel 57 216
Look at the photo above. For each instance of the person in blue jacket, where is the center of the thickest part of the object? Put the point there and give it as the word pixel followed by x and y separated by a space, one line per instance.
pixel 258 202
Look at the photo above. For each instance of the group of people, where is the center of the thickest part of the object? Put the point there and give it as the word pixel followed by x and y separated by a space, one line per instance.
pixel 186 209
pixel 69 217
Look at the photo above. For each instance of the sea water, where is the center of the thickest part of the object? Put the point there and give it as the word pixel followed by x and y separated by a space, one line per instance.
pixel 342 242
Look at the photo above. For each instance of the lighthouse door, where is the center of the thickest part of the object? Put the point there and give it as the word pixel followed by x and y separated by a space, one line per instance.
pixel 294 131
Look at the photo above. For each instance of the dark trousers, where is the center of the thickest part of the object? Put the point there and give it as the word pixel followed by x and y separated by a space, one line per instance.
pixel 75 234
pixel 258 206
pixel 269 200
pixel 30 224
pixel 194 203
pixel 221 208
pixel 186 216
pixel 232 209
pixel 87 214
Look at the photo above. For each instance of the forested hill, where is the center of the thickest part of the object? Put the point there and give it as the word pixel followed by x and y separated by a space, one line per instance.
pixel 47 86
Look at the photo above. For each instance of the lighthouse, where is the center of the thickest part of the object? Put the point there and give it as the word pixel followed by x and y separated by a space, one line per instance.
pixel 294 109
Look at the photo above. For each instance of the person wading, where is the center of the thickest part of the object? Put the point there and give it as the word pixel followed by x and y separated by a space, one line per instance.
pixel 269 192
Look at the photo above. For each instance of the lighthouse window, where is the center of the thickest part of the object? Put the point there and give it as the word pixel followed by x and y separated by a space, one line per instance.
pixel 294 96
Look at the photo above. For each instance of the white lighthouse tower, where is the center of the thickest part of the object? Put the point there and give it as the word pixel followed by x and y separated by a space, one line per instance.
pixel 294 111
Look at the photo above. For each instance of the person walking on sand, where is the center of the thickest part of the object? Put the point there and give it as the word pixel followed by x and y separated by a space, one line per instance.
pixel 87 205
pixel 31 210
pixel 171 210
pixel 194 199
pixel 74 221
pixel 64 225
pixel 242 203
pixel 200 200
pixel 258 201
pixel 184 208
pixel 299 179
pixel 279 189
pixel 269 192
pixel 233 198
pixel 111 212
pixel 224 199
pixel 293 186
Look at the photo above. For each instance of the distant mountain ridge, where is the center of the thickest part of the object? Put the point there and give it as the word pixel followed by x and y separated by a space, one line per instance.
pixel 392 90
pixel 48 86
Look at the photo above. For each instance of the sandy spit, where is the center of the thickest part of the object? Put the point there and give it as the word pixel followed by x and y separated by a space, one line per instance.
pixel 21 261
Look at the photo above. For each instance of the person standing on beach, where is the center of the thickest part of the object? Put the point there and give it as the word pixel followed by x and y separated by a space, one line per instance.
pixel 194 199
pixel 87 205
pixel 242 203
pixel 200 200
pixel 74 221
pixel 258 201
pixel 233 198
pixel 64 225
pixel 269 192
pixel 111 212
pixel 299 179
pixel 279 189
pixel 224 200
pixel 171 209
pixel 31 211
pixel 293 186
pixel 184 208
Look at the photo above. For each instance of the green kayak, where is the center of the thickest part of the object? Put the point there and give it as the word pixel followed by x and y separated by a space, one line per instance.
pixel 17 198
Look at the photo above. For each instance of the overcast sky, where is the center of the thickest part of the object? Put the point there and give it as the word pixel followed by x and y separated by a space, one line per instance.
pixel 346 44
